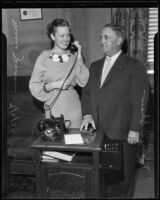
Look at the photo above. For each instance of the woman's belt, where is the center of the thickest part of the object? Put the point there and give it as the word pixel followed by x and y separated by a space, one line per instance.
pixel 65 89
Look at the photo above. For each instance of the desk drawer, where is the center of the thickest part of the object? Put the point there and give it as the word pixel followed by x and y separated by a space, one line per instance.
pixel 67 180
pixel 79 161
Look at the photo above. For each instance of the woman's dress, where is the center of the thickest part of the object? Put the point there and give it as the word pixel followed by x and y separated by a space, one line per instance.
pixel 68 102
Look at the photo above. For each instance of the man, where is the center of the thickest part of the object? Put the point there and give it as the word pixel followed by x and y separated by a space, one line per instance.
pixel 116 96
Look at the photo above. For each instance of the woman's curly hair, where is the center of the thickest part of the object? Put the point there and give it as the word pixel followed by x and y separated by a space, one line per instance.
pixel 51 28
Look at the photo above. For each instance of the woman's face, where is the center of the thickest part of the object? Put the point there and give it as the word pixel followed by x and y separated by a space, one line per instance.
pixel 61 37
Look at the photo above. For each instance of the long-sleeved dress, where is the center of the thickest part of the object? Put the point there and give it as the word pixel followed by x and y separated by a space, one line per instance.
pixel 68 102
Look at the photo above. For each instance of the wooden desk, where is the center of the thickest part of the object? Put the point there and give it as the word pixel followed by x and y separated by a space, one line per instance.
pixel 92 147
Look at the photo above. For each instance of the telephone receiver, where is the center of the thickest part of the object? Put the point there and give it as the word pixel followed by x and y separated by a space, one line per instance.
pixel 53 127
pixel 72 47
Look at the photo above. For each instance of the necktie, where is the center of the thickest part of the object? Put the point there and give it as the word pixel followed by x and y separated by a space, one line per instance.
pixel 106 68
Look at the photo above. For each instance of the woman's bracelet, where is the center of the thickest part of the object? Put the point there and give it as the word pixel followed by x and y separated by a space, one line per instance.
pixel 44 87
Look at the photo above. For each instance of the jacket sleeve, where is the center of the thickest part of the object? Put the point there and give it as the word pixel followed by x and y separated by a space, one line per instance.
pixel 86 96
pixel 38 79
pixel 81 73
pixel 139 96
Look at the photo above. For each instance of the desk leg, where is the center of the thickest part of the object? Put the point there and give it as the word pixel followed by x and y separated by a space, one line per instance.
pixel 96 175
pixel 38 173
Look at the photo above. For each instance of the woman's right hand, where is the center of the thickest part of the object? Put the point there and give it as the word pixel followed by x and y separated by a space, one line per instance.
pixel 58 84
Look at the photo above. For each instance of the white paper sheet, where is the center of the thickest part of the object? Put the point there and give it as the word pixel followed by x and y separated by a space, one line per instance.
pixel 73 139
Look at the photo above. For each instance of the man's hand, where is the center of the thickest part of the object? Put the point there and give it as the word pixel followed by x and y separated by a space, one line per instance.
pixel 133 137
pixel 88 119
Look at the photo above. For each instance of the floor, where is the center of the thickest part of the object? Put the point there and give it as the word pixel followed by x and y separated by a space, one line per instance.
pixel 144 187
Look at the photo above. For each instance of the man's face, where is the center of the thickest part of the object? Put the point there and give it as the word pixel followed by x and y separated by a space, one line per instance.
pixel 110 41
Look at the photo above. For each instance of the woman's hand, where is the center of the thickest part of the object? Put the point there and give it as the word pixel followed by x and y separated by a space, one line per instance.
pixel 58 84
pixel 67 84
pixel 77 44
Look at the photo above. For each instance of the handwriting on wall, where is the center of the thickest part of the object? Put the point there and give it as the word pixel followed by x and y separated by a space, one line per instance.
pixel 12 118
pixel 16 59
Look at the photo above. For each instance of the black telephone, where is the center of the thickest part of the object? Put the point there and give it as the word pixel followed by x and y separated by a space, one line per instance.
pixel 72 47
pixel 53 128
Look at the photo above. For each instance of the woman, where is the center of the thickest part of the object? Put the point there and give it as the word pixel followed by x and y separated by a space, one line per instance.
pixel 51 69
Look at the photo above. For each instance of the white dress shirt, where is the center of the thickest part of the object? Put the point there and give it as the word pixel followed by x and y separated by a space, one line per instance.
pixel 109 61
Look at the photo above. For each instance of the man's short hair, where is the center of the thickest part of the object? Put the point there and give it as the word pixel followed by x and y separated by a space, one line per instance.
pixel 119 29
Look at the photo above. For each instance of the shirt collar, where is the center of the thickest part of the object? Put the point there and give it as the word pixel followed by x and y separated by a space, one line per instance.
pixel 113 58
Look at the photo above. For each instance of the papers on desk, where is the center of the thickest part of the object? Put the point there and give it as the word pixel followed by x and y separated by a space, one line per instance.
pixel 73 139
pixel 45 158
pixel 52 155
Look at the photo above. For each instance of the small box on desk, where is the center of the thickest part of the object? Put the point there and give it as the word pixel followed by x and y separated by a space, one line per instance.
pixel 111 155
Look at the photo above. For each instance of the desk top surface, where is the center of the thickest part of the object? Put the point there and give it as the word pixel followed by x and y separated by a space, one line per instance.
pixel 91 143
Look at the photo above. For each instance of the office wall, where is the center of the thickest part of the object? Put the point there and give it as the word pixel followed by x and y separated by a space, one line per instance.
pixel 27 39
pixel 87 24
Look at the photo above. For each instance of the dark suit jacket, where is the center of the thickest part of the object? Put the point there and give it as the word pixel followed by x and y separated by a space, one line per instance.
pixel 120 104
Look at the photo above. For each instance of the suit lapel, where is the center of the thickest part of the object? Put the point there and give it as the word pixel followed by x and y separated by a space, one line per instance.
pixel 99 72
pixel 117 66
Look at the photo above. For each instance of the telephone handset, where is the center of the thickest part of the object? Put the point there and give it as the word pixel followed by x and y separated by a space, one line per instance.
pixel 72 47
pixel 53 128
